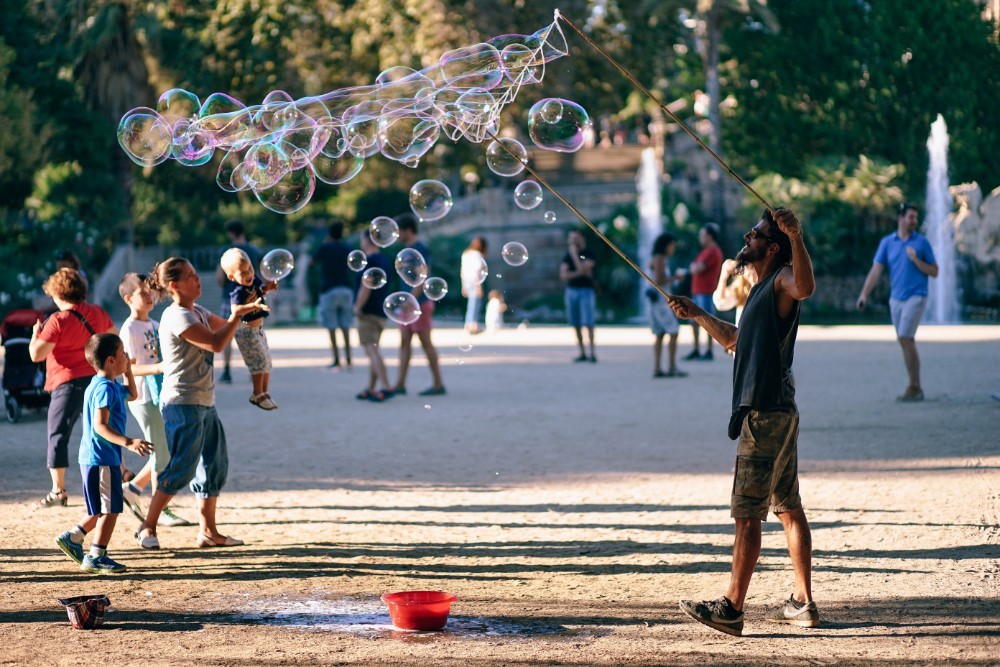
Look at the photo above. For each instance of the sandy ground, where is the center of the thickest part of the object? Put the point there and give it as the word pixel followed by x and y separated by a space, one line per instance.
pixel 568 506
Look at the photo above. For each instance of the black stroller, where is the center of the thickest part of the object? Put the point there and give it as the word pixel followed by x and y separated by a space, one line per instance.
pixel 23 379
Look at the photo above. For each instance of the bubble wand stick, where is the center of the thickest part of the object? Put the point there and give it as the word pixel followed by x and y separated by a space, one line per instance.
pixel 580 215
pixel 645 91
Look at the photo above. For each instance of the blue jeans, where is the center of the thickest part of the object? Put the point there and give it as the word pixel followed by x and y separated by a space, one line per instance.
pixel 581 306
pixel 472 309
pixel 704 301
pixel 198 452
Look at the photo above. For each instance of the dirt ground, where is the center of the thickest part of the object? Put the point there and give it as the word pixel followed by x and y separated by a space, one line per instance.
pixel 568 506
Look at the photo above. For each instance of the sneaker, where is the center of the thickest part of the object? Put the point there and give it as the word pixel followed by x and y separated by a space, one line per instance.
pixel 130 495
pixel 593 359
pixel 718 614
pixel 708 356
pixel 70 548
pixel 169 519
pixel 911 395
pixel 693 355
pixel 145 540
pixel 433 391
pixel 101 565
pixel 582 357
pixel 226 378
pixel 795 613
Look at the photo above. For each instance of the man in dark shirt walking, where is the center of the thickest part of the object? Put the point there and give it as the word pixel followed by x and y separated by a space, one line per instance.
pixel 336 294
pixel 764 418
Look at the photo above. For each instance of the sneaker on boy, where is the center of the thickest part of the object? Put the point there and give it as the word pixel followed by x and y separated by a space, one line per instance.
pixel 169 519
pixel 101 565
pixel 719 614
pixel 72 549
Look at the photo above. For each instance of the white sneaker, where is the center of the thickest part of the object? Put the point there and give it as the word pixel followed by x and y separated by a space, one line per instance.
pixel 169 519
pixel 130 495
pixel 145 540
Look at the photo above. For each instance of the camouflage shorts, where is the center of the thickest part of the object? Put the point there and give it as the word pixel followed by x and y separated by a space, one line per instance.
pixel 767 463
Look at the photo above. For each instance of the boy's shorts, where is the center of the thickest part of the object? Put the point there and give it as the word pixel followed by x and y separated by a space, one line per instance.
pixel 252 342
pixel 102 489
pixel 370 328
pixel 767 465
pixel 151 423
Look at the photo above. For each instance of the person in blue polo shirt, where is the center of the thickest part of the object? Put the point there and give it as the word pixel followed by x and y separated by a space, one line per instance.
pixel 910 259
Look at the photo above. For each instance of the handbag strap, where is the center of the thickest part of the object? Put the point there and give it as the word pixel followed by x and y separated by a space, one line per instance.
pixel 83 319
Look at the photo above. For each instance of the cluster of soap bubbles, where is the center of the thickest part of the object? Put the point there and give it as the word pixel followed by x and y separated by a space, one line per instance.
pixel 279 148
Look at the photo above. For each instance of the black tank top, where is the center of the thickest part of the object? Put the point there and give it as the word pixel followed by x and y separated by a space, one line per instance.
pixel 762 369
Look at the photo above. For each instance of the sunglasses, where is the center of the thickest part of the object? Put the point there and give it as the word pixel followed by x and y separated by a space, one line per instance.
pixel 755 233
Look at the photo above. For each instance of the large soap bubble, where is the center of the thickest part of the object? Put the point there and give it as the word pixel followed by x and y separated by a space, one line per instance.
pixel 430 199
pixel 401 308
pixel 383 231
pixel 558 125
pixel 276 264
pixel 145 136
pixel 506 157
pixel 528 194
pixel 411 266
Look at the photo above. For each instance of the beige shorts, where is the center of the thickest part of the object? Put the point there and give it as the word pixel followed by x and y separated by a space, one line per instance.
pixel 370 328
pixel 767 466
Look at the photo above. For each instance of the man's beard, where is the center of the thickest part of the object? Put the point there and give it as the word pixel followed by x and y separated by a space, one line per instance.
pixel 746 257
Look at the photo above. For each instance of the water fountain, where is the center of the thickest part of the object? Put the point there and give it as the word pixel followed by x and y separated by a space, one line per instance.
pixel 944 305
pixel 648 188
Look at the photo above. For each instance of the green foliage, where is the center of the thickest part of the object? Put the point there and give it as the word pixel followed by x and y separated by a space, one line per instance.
pixel 845 206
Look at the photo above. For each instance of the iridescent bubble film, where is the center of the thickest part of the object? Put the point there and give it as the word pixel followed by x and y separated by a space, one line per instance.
pixel 563 131
pixel 278 148
pixel 549 217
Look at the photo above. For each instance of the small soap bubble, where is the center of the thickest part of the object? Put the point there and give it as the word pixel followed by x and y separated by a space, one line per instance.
pixel 506 157
pixel 550 217
pixel 430 199
pixel 551 110
pixel 411 267
pixel 383 231
pixel 528 194
pixel 514 253
pixel 465 347
pixel 401 307
pixel 276 264
pixel 374 278
pixel 435 288
pixel 356 260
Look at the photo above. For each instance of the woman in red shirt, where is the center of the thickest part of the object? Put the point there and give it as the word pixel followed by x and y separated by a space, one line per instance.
pixel 60 341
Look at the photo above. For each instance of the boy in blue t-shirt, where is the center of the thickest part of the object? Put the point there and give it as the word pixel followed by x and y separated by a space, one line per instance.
pixel 101 455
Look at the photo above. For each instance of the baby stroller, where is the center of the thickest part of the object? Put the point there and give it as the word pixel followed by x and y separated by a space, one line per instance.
pixel 23 379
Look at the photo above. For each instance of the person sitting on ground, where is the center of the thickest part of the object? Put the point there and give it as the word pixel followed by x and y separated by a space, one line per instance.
pixel 100 456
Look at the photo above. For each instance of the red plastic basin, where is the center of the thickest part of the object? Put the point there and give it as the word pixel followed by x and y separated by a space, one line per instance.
pixel 419 610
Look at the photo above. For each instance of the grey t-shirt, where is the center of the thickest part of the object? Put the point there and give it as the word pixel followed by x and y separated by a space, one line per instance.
pixel 188 374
